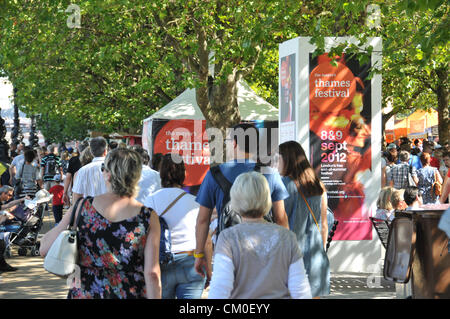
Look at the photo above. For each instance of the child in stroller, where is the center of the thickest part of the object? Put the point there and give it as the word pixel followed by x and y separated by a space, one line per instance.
pixel 28 219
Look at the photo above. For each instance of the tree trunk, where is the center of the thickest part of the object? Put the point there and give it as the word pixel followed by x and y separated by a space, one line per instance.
pixel 443 112
pixel 219 105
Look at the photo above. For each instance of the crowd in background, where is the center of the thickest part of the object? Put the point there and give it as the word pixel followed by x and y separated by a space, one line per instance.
pixel 278 249
pixel 124 196
pixel 413 167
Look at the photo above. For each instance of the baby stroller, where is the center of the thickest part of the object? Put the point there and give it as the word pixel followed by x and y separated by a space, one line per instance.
pixel 30 222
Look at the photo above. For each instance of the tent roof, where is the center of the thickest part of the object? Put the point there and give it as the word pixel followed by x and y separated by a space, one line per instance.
pixel 251 106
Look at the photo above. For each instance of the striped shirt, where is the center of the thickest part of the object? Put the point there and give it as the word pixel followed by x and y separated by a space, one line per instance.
pixel 89 179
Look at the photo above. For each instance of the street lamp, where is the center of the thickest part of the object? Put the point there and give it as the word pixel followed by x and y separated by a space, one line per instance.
pixel 16 133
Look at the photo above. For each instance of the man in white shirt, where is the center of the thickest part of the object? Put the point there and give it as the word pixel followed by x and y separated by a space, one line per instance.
pixel 16 163
pixel 150 180
pixel 89 179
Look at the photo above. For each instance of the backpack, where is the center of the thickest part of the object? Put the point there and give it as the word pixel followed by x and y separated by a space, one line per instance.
pixel 228 217
pixel 50 166
pixel 165 240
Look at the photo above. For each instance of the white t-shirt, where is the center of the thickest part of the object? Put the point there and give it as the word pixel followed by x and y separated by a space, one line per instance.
pixel 17 162
pixel 89 180
pixel 181 218
pixel 149 183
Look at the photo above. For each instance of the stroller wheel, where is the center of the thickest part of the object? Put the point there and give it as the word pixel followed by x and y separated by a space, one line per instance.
pixel 35 250
pixel 22 251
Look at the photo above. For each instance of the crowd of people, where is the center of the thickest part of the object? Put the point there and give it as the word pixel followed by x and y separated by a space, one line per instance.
pixel 277 250
pixel 413 174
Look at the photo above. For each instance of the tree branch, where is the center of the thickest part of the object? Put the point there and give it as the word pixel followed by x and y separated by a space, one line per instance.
pixel 189 61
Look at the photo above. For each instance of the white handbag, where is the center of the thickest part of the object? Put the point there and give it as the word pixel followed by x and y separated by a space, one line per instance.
pixel 62 256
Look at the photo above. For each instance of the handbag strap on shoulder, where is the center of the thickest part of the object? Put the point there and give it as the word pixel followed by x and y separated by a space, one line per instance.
pixel 315 220
pixel 72 225
pixel 173 203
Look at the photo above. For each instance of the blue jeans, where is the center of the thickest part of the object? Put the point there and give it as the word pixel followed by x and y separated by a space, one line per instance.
pixel 9 228
pixel 179 279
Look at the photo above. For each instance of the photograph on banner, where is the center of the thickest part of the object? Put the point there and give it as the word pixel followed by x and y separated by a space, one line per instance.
pixel 340 138
pixel 287 97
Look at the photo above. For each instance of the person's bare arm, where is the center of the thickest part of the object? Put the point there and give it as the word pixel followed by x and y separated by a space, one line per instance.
pixel 67 183
pixel 13 203
pixel 12 173
pixel 324 219
pixel 50 237
pixel 445 190
pixel 279 214
pixel 152 271
pixel 201 235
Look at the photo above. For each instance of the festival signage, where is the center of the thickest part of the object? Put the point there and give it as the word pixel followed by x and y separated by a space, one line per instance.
pixel 186 138
pixel 340 138
pixel 287 97
pixel 338 124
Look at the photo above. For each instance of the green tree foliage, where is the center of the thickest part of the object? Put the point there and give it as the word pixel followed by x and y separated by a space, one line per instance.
pixel 127 59
pixel 106 75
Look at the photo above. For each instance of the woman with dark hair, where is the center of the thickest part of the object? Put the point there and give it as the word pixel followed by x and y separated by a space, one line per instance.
pixel 427 176
pixel 118 236
pixel 30 175
pixel 306 208
pixel 156 161
pixel 179 209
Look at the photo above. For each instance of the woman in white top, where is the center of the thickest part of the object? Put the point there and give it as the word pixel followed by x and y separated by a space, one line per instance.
pixel 178 278
pixel 257 259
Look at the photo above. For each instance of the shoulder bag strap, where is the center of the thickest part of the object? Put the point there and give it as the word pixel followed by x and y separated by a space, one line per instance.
pixel 23 165
pixel 310 210
pixel 72 216
pixel 223 182
pixel 436 176
pixel 73 225
pixel 173 203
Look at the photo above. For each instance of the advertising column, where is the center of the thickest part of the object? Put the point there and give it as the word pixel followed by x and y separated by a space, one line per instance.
pixel 337 118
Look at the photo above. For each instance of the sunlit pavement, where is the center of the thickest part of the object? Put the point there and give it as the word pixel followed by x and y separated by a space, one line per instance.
pixel 31 281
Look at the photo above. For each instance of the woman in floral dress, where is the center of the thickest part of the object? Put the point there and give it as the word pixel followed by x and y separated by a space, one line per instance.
pixel 118 237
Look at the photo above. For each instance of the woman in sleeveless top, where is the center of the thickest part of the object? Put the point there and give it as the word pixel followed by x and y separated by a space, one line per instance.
pixel 307 193
pixel 427 176
pixel 118 237
pixel 178 278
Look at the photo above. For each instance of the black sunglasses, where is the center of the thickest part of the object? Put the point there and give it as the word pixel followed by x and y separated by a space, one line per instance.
pixel 103 168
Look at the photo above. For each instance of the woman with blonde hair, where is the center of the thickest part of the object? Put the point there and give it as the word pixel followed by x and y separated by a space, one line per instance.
pixel 118 236
pixel 257 259
pixel 397 201
pixel 384 204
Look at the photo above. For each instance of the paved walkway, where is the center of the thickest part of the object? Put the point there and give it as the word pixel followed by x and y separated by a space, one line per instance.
pixel 31 281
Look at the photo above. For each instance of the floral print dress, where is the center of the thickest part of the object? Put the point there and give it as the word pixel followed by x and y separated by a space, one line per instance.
pixel 427 177
pixel 111 256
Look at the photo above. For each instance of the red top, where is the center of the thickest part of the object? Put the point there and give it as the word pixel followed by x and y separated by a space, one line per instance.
pixel 434 162
pixel 57 191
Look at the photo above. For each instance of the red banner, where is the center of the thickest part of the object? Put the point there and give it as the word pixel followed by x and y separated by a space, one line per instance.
pixel 185 137
pixel 340 130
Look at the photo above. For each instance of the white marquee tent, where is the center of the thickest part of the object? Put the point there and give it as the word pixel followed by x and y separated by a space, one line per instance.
pixel 251 106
